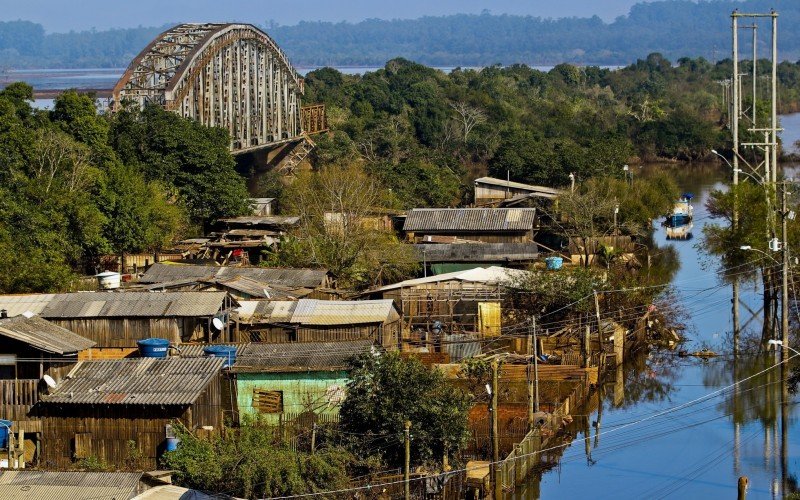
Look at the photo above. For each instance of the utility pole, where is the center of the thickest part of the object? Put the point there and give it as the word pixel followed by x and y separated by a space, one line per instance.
pixel 407 465
pixel 494 469
pixel 785 275
pixel 755 70
pixel 735 136
pixel 533 382
pixel 774 96
pixel 313 438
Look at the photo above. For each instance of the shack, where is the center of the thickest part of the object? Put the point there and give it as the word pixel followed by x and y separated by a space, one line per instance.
pixel 491 191
pixel 450 257
pixel 460 302
pixel 114 319
pixel 281 382
pixel 312 283
pixel 103 406
pixel 262 206
pixel 484 225
pixel 310 320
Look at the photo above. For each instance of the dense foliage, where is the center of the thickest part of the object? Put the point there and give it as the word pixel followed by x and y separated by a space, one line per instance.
pixel 676 28
pixel 384 392
pixel 426 134
pixel 77 185
pixel 247 463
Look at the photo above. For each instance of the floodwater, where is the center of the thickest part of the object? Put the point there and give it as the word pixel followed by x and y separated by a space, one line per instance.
pixel 677 427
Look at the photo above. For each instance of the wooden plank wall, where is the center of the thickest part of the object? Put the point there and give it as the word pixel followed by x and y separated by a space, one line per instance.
pixel 17 397
pixel 124 332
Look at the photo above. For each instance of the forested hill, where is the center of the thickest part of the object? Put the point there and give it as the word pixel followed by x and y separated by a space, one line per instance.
pixel 675 28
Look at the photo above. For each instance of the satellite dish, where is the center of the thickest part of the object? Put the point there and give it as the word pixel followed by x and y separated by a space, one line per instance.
pixel 217 324
pixel 49 381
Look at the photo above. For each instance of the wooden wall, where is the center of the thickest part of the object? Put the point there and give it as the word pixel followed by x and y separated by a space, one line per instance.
pixel 104 431
pixel 17 397
pixel 388 335
pixel 124 332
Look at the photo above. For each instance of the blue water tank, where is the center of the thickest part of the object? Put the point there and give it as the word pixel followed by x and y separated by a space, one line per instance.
pixel 554 263
pixel 153 348
pixel 4 427
pixel 172 444
pixel 222 351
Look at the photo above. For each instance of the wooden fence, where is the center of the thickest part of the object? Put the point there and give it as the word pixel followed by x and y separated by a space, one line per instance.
pixel 17 397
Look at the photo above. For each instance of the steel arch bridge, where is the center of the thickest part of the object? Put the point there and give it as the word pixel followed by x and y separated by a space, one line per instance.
pixel 232 76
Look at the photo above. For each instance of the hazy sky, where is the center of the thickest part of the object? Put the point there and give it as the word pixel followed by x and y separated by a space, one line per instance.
pixel 66 15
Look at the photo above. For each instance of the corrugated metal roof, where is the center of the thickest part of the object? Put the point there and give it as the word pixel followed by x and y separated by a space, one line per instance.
pixel 43 335
pixel 491 181
pixel 18 304
pixel 492 274
pixel 133 304
pixel 36 485
pixel 142 381
pixel 299 356
pixel 196 350
pixel 344 312
pixel 470 219
pixel 477 252
pixel 262 220
pixel 172 492
pixel 251 287
pixel 273 311
pixel 290 278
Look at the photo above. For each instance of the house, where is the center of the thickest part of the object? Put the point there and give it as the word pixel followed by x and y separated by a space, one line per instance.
pixel 483 225
pixel 280 382
pixel 461 302
pixel 310 320
pixel 450 257
pixel 105 407
pixel 491 191
pixel 119 319
pixel 293 282
pixel 32 347
pixel 39 484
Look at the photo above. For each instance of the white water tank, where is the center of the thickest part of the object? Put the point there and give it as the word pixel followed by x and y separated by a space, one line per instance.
pixel 108 280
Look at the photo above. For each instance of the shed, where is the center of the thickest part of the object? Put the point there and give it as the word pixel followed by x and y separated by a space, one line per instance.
pixel 262 206
pixel 63 485
pixel 461 301
pixel 310 320
pixel 289 279
pixel 485 225
pixel 119 319
pixel 446 258
pixel 29 338
pixel 489 190
pixel 104 405
pixel 283 381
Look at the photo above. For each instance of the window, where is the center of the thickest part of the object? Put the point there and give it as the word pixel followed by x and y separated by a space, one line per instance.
pixel 265 401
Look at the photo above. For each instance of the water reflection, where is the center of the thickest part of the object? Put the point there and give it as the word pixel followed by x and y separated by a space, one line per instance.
pixel 665 426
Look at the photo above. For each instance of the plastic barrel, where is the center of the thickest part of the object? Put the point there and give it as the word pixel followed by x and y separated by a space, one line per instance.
pixel 172 444
pixel 222 351
pixel 4 426
pixel 153 348
pixel 554 263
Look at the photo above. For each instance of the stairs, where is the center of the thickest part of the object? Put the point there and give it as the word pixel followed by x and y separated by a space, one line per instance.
pixel 295 153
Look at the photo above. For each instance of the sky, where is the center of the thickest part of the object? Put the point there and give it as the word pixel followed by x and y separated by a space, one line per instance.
pixel 78 15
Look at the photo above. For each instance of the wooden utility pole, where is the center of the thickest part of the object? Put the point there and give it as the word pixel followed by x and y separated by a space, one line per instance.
pixel 587 355
pixel 533 381
pixel 313 438
pixel 407 467
pixel 734 117
pixel 494 469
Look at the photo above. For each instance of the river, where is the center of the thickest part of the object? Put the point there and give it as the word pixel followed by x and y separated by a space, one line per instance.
pixel 676 428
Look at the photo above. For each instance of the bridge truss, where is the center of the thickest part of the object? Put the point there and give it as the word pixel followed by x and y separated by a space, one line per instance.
pixel 232 76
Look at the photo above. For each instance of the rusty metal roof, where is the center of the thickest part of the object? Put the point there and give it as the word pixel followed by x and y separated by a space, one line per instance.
pixel 36 484
pixel 470 219
pixel 134 304
pixel 137 381
pixel 344 312
pixel 299 356
pixel 290 278
pixel 43 335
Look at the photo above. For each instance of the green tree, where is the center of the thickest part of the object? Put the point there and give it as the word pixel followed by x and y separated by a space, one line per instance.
pixel 385 391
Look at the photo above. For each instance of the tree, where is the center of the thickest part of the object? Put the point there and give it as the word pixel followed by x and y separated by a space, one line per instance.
pixel 340 211
pixel 385 391
pixel 470 116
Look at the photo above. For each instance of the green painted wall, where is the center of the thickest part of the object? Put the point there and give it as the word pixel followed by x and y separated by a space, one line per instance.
pixel 321 390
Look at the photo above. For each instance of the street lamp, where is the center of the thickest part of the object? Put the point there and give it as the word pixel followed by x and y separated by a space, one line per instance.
pixel 780 343
pixel 772 246
pixel 759 179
